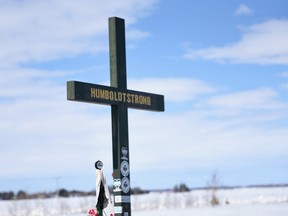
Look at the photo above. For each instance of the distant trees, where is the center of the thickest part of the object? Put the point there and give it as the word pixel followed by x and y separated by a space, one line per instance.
pixel 138 190
pixel 63 193
pixel 10 195
pixel 181 188
pixel 21 195
pixel 7 195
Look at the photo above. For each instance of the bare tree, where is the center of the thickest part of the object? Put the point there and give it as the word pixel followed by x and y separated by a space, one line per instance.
pixel 213 185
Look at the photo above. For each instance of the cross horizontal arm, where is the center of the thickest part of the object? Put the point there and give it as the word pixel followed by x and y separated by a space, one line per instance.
pixel 93 93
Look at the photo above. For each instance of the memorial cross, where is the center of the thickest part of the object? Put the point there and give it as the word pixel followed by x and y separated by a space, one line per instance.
pixel 120 98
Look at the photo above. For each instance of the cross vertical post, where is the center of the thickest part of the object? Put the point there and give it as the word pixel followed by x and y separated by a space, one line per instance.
pixel 119 115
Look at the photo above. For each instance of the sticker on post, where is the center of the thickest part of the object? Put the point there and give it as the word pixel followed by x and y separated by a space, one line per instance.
pixel 124 153
pixel 117 184
pixel 118 209
pixel 122 199
pixel 124 168
pixel 125 185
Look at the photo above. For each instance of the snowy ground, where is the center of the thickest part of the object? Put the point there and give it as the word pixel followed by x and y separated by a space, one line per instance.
pixel 236 202
pixel 243 210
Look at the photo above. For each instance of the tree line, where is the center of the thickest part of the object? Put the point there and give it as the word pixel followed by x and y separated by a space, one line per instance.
pixel 21 194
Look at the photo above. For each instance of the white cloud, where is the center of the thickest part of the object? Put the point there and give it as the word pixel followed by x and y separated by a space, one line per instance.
pixel 264 43
pixel 202 138
pixel 243 10
pixel 46 132
pixel 259 99
pixel 37 122
pixel 174 89
pixel 285 74
pixel 135 34
pixel 285 86
pixel 43 30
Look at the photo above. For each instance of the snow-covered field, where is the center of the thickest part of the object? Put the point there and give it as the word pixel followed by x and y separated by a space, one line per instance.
pixel 232 202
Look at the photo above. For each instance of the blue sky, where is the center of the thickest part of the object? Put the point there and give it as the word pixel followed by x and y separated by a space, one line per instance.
pixel 222 66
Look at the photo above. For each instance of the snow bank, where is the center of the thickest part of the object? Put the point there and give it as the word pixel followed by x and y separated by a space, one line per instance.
pixel 236 202
pixel 197 198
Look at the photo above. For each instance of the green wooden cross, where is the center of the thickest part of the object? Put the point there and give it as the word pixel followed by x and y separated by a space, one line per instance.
pixel 120 98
